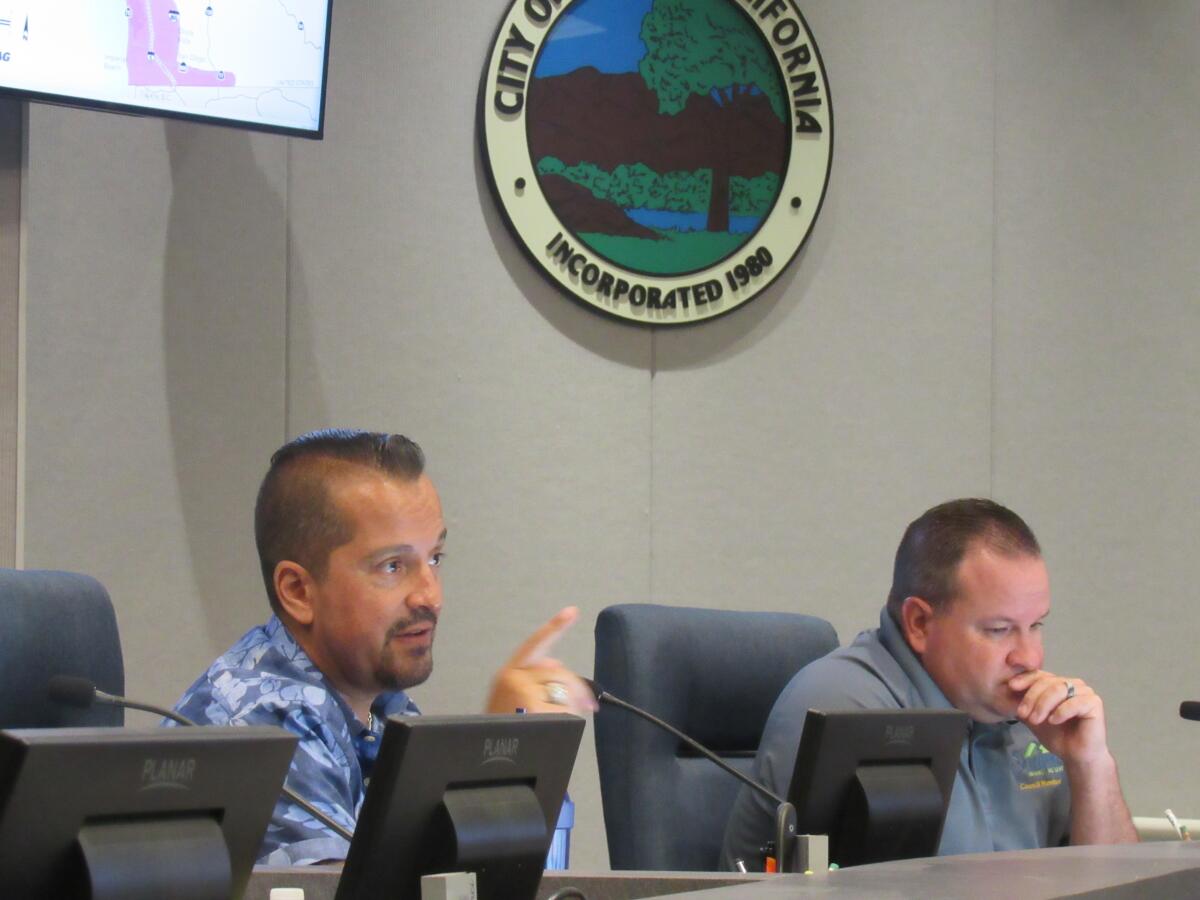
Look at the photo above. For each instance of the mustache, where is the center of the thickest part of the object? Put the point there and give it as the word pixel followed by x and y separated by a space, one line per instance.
pixel 421 615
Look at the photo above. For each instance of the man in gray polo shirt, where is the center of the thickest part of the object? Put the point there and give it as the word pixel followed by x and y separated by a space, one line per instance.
pixel 962 628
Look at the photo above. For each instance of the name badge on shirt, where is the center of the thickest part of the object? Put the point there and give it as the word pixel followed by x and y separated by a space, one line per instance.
pixel 1036 768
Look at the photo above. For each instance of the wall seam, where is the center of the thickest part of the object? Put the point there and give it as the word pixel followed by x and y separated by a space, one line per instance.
pixel 650 589
pixel 10 347
pixel 992 375
pixel 287 293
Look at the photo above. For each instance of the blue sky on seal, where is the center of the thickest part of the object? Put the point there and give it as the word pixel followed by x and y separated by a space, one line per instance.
pixel 598 33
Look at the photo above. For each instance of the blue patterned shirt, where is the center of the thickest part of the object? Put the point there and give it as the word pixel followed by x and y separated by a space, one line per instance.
pixel 267 679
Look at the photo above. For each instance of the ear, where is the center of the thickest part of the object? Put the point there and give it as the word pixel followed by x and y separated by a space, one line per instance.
pixel 915 617
pixel 296 591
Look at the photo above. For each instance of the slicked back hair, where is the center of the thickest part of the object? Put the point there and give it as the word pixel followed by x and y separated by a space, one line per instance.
pixel 296 518
pixel 933 546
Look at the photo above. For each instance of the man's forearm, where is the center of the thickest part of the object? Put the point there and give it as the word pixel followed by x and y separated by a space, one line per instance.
pixel 1098 811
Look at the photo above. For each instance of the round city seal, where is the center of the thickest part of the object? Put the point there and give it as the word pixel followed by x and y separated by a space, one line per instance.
pixel 662 161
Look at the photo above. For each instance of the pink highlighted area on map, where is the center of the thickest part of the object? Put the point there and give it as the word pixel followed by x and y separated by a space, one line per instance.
pixel 153 52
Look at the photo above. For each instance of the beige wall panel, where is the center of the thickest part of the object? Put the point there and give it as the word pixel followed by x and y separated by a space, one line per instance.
pixel 155 304
pixel 1098 317
pixel 411 309
pixel 795 438
pixel 11 137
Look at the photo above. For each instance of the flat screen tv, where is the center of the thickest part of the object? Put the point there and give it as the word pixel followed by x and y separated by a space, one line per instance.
pixel 462 794
pixel 136 814
pixel 248 63
pixel 878 782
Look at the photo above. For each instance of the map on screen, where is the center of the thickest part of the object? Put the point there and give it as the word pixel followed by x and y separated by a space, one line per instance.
pixel 257 62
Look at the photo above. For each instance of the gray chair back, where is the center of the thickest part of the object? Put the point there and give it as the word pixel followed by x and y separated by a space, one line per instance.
pixel 56 623
pixel 714 675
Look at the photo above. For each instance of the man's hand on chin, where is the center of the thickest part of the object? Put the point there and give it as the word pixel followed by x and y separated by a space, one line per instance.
pixel 1065 714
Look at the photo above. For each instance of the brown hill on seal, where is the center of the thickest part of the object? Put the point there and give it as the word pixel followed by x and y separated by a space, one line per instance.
pixel 613 119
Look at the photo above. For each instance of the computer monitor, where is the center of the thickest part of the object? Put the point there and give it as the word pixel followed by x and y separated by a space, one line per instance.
pixel 136 814
pixel 259 65
pixel 877 782
pixel 461 794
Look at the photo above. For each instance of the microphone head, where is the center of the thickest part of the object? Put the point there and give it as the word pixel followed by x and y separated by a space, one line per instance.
pixel 594 687
pixel 71 690
pixel 1190 709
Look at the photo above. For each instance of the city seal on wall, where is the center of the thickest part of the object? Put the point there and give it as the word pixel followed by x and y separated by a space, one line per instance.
pixel 662 161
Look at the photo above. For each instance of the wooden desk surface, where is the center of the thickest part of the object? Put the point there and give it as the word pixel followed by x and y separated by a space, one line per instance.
pixel 1164 871
pixel 320 882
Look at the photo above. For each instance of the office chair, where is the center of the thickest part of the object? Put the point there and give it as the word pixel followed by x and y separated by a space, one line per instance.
pixel 56 623
pixel 713 674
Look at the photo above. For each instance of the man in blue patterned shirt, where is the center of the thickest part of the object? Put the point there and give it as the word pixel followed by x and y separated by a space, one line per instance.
pixel 350 537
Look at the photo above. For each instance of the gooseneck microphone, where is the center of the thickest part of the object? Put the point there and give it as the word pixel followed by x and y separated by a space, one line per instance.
pixel 785 812
pixel 72 690
pixel 1190 709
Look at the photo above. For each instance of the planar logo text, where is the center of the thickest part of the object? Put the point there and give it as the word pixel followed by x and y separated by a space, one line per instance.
pixel 172 774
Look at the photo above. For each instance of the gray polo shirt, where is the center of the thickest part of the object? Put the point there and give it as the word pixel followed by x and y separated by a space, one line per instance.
pixel 1010 793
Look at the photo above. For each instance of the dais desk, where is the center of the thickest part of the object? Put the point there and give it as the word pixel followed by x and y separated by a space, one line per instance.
pixel 320 882
pixel 1164 871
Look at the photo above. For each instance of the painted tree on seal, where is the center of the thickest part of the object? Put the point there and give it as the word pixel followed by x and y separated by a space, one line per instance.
pixel 708 48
